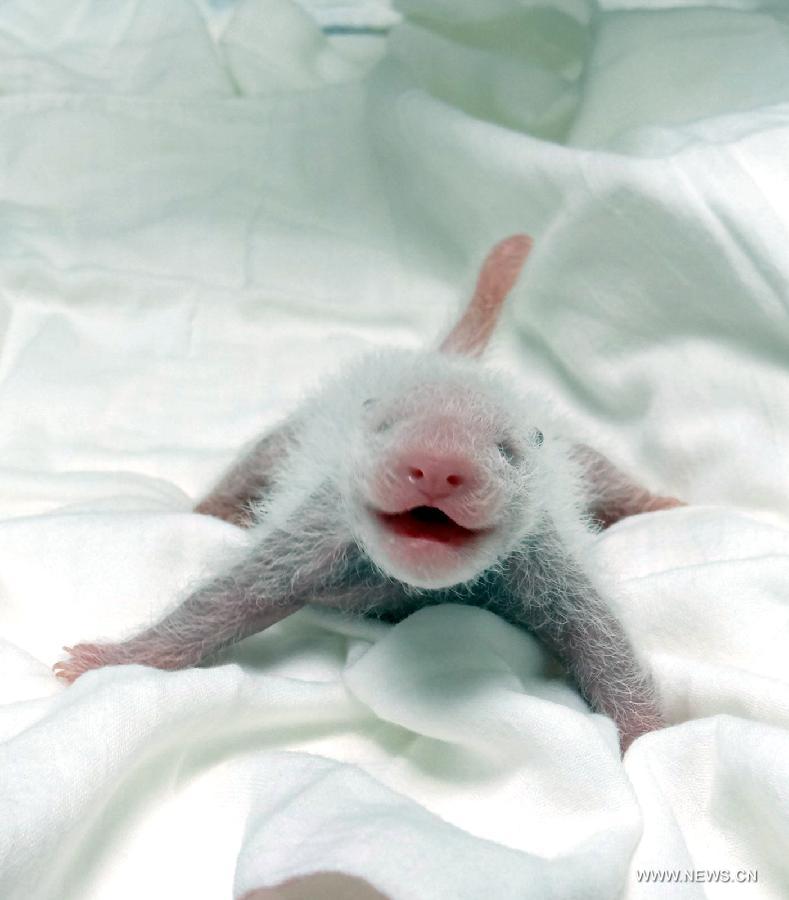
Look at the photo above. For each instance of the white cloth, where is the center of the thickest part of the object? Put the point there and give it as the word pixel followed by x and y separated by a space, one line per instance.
pixel 204 208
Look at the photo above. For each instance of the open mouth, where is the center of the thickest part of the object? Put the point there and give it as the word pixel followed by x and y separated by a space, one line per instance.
pixel 427 523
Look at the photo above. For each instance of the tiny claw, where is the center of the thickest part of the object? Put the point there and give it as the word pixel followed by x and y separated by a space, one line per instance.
pixel 83 657
pixel 62 672
pixel 658 503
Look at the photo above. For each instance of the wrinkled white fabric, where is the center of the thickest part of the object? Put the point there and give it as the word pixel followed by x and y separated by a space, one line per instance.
pixel 205 207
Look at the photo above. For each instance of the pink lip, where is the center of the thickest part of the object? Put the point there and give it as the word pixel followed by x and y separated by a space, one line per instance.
pixel 427 523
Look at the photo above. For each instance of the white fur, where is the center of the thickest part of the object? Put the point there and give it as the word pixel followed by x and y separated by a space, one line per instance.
pixel 338 447
pixel 315 539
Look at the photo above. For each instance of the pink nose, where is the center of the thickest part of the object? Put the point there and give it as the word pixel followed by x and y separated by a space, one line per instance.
pixel 436 476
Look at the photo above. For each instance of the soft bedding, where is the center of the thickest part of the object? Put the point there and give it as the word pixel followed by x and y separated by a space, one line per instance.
pixel 204 208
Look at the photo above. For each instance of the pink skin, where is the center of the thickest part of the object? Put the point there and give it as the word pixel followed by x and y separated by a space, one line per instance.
pixel 431 514
pixel 427 477
pixel 82 658
pixel 232 498
pixel 457 485
pixel 435 556
pixel 497 278
pixel 431 510
pixel 613 494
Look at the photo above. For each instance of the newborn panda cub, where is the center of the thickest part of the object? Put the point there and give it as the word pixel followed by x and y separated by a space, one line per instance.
pixel 415 478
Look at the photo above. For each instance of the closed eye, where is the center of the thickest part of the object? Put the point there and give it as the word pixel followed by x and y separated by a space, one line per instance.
pixel 384 424
pixel 508 452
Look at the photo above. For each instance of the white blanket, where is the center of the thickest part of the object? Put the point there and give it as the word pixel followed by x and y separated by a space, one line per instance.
pixel 204 207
